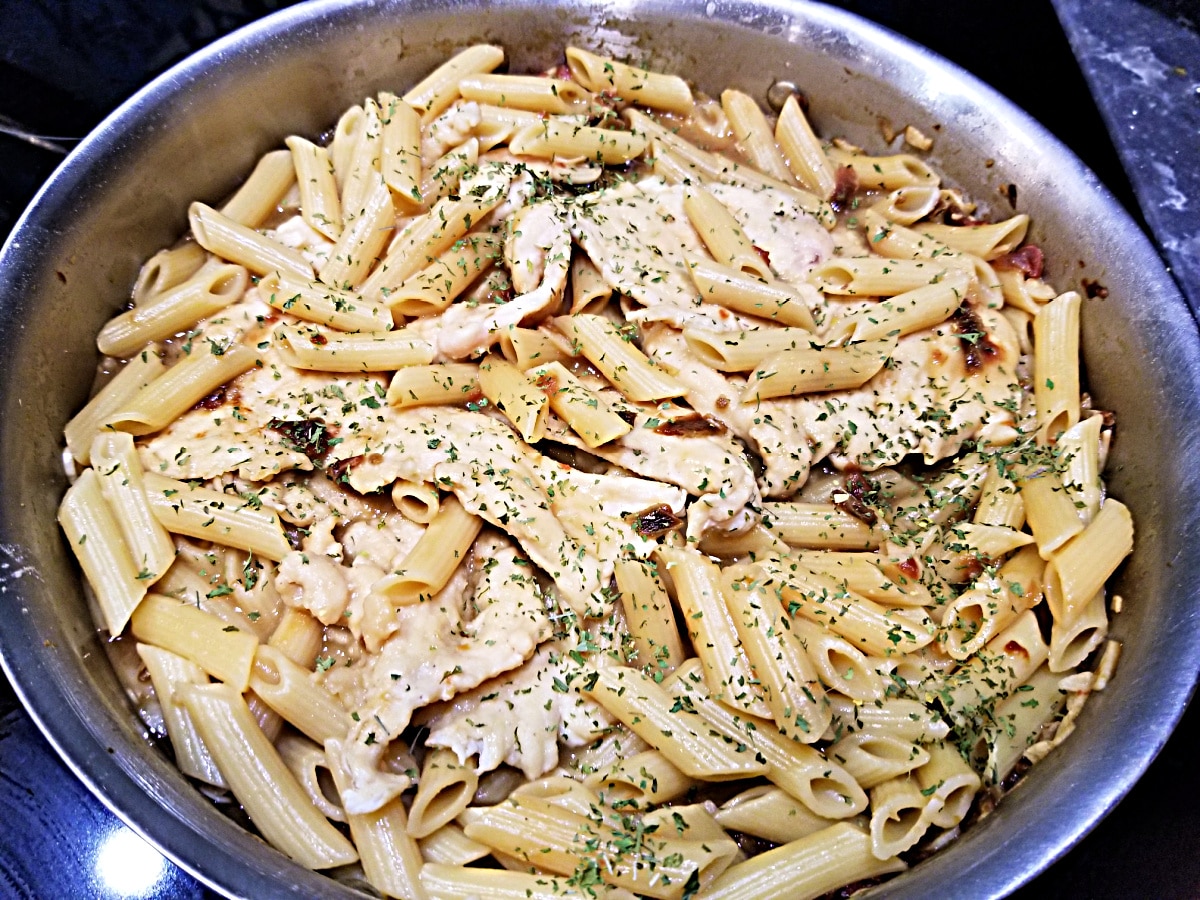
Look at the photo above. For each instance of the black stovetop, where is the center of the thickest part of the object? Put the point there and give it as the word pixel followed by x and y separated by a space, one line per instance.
pixel 64 64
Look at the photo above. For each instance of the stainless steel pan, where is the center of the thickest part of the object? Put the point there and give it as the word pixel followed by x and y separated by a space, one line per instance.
pixel 123 193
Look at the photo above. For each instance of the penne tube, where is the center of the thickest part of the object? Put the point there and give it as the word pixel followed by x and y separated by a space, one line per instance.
pixel 1049 509
pixel 526 348
pixel 884 172
pixel 173 311
pixel 820 526
pixel 970 693
pixel 624 365
pixel 589 290
pixel 803 370
pixel 989 240
pixel 346 135
pixel 735 290
pixel 861 573
pixel 1056 365
pixel 320 204
pixel 368 229
pixel 434 94
pixel 536 93
pixel 908 205
pixel 1071 644
pixel 534 830
pixel 223 651
pixel 94 535
pixel 390 857
pixel 441 178
pixel 722 234
pixel 167 269
pixel 363 176
pixel 900 816
pixel 306 347
pixel 425 238
pixel 461 882
pixel 991 604
pixel 646 709
pixel 806 868
pixel 778 657
pixel 905 313
pixel 444 789
pixel 897 717
pixel 400 163
pixel 839 665
pixel 949 782
pixel 754 135
pixel 428 566
pixel 713 631
pixel 209 515
pixel 522 402
pixel 770 813
pixel 805 773
pixel 873 628
pixel 324 305
pixel 225 238
pixel 649 616
pixel 873 757
pixel 183 385
pixel 168 671
pixel 261 781
pixel 307 763
pixel 291 691
pixel 630 84
pixel 417 501
pixel 448 846
pixel 561 138
pixel 1000 501
pixel 1079 447
pixel 875 276
pixel 449 383
pixel 1077 571
pixel 805 156
pixel 741 351
pixel 122 485
pixel 586 411
pixel 644 779
pixel 262 193
pixel 1019 723
pixel 440 283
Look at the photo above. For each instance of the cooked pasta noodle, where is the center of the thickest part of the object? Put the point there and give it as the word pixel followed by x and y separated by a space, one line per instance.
pixel 539 469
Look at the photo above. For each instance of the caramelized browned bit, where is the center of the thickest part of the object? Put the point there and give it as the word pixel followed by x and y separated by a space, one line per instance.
pixel 722 402
pixel 215 399
pixel 309 436
pixel 1014 647
pixel 319 339
pixel 694 425
pixel 547 383
pixel 977 343
pixel 1094 289
pixel 628 416
pixel 858 486
pixel 1029 260
pixel 656 520
pixel 909 568
pixel 340 469
pixel 844 186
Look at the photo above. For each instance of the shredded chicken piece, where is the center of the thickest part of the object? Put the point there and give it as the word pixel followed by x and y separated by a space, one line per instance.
pixel 442 647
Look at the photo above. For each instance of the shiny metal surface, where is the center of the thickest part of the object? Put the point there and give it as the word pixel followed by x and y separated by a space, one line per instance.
pixel 194 132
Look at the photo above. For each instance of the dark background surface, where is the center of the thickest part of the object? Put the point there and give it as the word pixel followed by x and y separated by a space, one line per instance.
pixel 64 64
